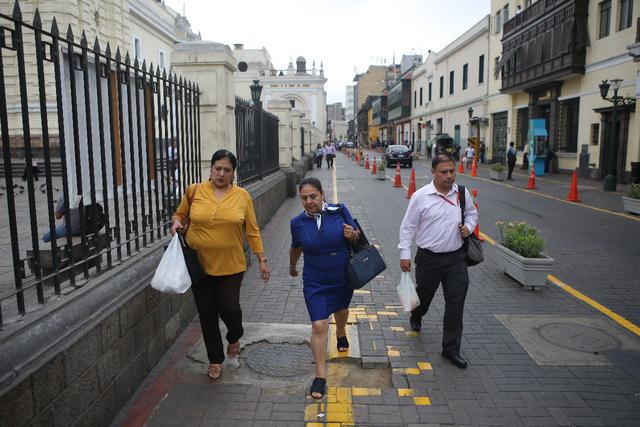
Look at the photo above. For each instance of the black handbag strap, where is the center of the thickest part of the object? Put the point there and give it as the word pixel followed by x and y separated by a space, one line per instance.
pixel 462 198
pixel 362 242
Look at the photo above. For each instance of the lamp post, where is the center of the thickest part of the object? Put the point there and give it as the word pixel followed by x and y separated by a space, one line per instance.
pixel 610 180
pixel 477 120
pixel 256 90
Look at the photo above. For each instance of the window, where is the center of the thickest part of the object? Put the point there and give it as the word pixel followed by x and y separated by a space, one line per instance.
pixel 441 86
pixel 293 103
pixel 420 96
pixel 605 16
pixel 415 98
pixel 595 133
pixel 626 13
pixel 438 126
pixel 465 72
pixel 136 48
pixel 568 129
pixel 505 13
pixel 450 82
pixel 161 60
pixel 429 91
pixel 497 23
pixel 481 69
pixel 496 68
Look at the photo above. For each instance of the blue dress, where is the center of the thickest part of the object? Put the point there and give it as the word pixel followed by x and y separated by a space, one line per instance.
pixel 326 253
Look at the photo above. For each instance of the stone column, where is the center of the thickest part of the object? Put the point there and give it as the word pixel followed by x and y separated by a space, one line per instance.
pixel 309 142
pixel 210 65
pixel 282 109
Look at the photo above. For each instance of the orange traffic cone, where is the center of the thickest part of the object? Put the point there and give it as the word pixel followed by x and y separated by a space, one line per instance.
pixel 460 167
pixel 366 162
pixel 474 168
pixel 573 191
pixel 398 181
pixel 531 185
pixel 412 184
pixel 374 169
pixel 476 231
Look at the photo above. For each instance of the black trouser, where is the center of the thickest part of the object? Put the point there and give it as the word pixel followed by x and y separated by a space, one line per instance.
pixel 329 161
pixel 318 162
pixel 512 164
pixel 450 268
pixel 219 295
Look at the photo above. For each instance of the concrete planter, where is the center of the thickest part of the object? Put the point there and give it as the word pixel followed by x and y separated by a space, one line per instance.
pixel 531 273
pixel 381 174
pixel 361 161
pixel 631 205
pixel 496 176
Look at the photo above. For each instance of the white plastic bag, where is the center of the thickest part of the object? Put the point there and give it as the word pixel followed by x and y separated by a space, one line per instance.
pixel 172 276
pixel 407 292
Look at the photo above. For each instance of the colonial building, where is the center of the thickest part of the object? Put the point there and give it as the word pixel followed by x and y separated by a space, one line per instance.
pixel 449 83
pixel 547 63
pixel 303 88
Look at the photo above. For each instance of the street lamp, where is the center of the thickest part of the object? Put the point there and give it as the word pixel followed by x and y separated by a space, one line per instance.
pixel 256 90
pixel 477 120
pixel 610 180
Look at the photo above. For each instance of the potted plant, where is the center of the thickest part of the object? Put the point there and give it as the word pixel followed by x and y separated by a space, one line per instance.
pixel 520 254
pixel 631 201
pixel 361 155
pixel 382 172
pixel 496 172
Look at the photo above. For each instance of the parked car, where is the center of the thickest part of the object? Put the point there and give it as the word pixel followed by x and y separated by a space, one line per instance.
pixel 395 154
pixel 349 144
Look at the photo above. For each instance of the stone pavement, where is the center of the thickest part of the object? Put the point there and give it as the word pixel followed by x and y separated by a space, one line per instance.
pixel 535 358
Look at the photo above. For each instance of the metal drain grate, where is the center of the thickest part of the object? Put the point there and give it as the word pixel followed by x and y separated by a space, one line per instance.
pixel 279 360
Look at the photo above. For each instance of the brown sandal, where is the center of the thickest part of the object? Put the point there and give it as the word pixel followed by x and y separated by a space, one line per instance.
pixel 233 350
pixel 215 371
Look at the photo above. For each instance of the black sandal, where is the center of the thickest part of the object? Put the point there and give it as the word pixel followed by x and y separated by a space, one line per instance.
pixel 317 386
pixel 343 343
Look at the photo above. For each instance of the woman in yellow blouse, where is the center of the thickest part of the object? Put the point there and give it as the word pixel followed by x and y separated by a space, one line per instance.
pixel 217 216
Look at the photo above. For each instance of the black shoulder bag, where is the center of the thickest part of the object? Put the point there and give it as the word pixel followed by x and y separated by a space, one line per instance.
pixel 191 255
pixel 472 245
pixel 365 262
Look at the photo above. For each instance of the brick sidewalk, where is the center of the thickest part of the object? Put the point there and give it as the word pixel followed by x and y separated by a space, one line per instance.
pixel 505 384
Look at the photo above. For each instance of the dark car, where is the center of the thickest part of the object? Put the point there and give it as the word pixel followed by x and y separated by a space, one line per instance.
pixel 349 144
pixel 395 154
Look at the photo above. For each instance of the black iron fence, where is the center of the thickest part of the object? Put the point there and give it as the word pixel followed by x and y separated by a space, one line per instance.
pixel 258 151
pixel 124 138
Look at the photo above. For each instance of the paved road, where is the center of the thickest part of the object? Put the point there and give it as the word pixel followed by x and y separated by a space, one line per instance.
pixel 536 357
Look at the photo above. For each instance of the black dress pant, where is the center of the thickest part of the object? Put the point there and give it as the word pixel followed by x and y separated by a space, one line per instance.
pixel 450 268
pixel 318 162
pixel 219 296
pixel 329 161
pixel 512 165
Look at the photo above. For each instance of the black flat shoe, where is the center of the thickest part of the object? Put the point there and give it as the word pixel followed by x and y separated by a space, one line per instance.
pixel 317 386
pixel 456 360
pixel 343 344
pixel 415 322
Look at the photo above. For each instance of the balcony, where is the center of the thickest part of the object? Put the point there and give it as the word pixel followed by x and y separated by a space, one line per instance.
pixel 545 43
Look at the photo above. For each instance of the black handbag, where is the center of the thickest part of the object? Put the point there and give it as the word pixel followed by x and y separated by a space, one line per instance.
pixel 191 255
pixel 365 262
pixel 472 245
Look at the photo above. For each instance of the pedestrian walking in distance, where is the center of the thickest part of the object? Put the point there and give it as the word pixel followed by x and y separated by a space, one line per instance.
pixel 318 155
pixel 433 218
pixel 323 232
pixel 329 153
pixel 219 214
pixel 511 159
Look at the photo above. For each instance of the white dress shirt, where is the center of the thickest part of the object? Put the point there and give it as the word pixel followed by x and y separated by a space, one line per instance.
pixel 433 219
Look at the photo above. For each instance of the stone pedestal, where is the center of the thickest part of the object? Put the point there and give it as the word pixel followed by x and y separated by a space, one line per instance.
pixel 282 109
pixel 296 138
pixel 211 66
pixel 309 142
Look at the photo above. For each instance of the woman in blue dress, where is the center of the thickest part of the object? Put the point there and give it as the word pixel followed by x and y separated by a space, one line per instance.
pixel 322 233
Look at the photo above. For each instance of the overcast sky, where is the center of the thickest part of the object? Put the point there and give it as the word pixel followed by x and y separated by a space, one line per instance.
pixel 346 35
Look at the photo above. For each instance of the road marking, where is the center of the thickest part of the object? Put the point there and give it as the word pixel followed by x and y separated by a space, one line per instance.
pixel 335 181
pixel 582 297
pixel 365 392
pixel 606 211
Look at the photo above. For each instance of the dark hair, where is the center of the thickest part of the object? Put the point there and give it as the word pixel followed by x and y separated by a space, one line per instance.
pixel 225 154
pixel 312 181
pixel 511 144
pixel 442 158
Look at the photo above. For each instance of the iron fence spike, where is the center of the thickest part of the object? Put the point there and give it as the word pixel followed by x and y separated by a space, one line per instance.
pixel 107 51
pixel 17 13
pixel 118 55
pixel 54 28
pixel 83 40
pixel 37 22
pixel 96 45
pixel 127 59
pixel 69 33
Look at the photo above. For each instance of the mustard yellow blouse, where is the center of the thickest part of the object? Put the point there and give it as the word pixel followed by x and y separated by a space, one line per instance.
pixel 216 226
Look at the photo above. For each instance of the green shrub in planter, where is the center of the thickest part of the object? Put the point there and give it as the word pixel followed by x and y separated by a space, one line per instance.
pixel 497 167
pixel 521 238
pixel 634 191
pixel 381 166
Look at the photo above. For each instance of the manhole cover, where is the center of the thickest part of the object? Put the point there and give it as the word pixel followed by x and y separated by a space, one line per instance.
pixel 578 337
pixel 279 360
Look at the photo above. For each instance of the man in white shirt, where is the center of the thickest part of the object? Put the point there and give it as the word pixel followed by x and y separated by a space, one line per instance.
pixel 433 218
pixel 469 153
